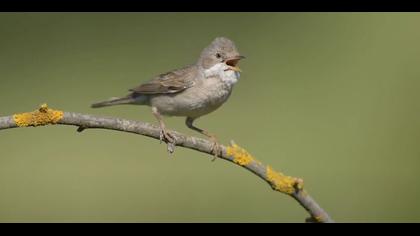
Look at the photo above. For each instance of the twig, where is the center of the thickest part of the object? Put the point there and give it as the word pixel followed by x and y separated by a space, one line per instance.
pixel 233 153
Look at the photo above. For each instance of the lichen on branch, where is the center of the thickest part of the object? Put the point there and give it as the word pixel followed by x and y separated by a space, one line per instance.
pixel 283 183
pixel 233 153
pixel 240 155
pixel 42 116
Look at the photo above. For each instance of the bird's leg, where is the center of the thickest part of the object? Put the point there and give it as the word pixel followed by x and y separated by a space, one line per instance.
pixel 164 135
pixel 215 148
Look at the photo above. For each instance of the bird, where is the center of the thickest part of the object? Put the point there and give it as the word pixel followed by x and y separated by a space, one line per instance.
pixel 191 91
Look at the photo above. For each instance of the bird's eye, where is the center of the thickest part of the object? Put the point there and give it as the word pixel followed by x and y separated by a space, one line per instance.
pixel 218 55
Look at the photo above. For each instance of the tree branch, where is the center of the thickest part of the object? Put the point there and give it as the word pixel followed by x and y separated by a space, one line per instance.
pixel 233 153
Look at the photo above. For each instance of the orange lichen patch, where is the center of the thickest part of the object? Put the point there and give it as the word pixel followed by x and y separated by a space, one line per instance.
pixel 240 155
pixel 283 183
pixel 42 116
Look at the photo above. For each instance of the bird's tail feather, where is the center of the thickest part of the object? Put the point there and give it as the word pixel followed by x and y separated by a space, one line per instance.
pixel 114 101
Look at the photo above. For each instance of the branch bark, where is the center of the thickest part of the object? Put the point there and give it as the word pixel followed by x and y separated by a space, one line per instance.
pixel 233 153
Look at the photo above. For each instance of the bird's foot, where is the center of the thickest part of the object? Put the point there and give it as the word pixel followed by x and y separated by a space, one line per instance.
pixel 169 139
pixel 215 148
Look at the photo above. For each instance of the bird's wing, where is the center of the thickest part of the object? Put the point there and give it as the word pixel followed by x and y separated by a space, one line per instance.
pixel 172 82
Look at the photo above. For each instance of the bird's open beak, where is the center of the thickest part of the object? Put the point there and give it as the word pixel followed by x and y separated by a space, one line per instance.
pixel 232 63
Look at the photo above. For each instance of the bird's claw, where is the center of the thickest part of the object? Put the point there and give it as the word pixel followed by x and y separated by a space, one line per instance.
pixel 169 139
pixel 215 148
pixel 161 136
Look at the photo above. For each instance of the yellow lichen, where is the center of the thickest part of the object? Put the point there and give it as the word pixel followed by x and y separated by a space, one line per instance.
pixel 318 218
pixel 240 155
pixel 278 181
pixel 42 116
pixel 283 183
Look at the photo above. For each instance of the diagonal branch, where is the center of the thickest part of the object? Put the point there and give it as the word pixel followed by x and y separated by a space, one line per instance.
pixel 233 153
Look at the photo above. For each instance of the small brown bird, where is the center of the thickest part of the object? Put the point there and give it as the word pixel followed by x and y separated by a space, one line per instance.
pixel 192 91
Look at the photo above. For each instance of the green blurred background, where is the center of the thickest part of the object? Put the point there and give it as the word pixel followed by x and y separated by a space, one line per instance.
pixel 329 97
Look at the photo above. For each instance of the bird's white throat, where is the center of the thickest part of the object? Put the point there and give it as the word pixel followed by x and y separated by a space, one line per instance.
pixel 222 70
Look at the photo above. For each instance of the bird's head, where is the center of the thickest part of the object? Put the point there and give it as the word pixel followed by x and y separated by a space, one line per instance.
pixel 221 50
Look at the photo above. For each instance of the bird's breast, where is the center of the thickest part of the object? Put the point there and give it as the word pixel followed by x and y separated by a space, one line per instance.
pixel 204 97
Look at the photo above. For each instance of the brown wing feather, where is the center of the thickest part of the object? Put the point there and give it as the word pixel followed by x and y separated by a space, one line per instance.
pixel 172 82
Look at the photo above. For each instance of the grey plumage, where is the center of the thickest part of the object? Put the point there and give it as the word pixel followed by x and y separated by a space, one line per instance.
pixel 114 101
pixel 192 91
